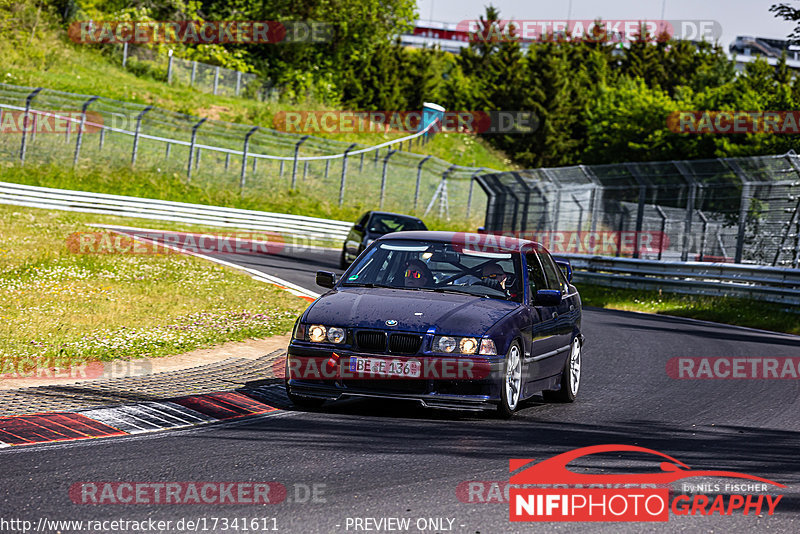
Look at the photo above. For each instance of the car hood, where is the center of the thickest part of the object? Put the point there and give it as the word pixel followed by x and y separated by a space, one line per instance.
pixel 414 311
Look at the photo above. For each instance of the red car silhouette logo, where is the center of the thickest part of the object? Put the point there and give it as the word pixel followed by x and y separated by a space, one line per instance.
pixel 554 470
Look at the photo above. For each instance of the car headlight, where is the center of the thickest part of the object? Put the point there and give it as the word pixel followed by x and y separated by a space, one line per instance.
pixel 458 345
pixel 316 333
pixel 444 344
pixel 468 345
pixel 335 335
pixel 319 333
pixel 487 347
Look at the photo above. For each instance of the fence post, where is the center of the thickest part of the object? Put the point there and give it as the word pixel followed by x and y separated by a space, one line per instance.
pixel 580 218
pixel 305 170
pixel 444 202
pixel 471 187
pixel 383 175
pixel 227 160
pixel 191 146
pixel 238 81
pixel 28 101
pixel 663 230
pixel 166 152
pixel 136 134
pixel 327 167
pixel 361 163
pixel 124 54
pixel 294 165
pixel 194 73
pixel 282 162
pixel 691 198
pixel 703 239
pixel 344 173
pixel 80 129
pixel 255 160
pixel 197 153
pixel 169 68
pixel 640 206
pixel 216 79
pixel 419 178
pixel 789 224
pixel 244 158
pixel 744 206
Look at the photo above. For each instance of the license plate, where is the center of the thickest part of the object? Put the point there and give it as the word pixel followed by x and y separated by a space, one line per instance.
pixel 385 367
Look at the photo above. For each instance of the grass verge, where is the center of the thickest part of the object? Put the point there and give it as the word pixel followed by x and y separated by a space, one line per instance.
pixel 735 311
pixel 59 309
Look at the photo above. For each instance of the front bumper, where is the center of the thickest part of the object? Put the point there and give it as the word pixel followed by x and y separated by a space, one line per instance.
pixel 435 390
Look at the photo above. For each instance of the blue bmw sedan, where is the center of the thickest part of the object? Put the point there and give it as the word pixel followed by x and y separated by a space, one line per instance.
pixel 449 320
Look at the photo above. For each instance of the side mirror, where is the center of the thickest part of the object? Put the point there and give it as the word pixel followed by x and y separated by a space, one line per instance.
pixel 326 279
pixel 358 228
pixel 481 229
pixel 566 267
pixel 545 297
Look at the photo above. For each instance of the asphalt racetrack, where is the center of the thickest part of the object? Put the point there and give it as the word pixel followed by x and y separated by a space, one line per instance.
pixel 373 460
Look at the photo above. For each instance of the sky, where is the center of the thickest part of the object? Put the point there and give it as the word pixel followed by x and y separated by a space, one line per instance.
pixel 736 17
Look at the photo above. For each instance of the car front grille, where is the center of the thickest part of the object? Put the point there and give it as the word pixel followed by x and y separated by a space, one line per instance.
pixel 371 341
pixel 404 343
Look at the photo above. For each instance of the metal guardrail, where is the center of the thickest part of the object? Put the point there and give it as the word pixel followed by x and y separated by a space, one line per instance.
pixel 123 206
pixel 771 284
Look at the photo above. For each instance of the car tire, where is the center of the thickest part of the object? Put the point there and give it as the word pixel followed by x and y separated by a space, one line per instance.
pixel 307 403
pixel 570 376
pixel 510 382
pixel 343 260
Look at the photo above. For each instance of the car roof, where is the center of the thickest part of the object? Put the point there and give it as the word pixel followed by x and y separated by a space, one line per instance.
pixel 480 240
pixel 394 214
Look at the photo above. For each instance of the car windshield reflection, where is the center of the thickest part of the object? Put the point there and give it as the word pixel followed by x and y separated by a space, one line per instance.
pixel 439 267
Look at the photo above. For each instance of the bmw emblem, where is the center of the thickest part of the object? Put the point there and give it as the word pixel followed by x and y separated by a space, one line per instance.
pixel 391 322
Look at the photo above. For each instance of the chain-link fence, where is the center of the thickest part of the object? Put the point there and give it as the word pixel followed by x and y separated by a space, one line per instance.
pixel 202 76
pixel 743 210
pixel 255 160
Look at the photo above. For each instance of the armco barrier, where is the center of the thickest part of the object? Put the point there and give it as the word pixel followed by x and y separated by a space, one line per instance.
pixel 164 210
pixel 772 284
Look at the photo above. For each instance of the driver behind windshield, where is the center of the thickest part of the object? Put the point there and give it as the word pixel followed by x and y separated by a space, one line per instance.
pixel 417 274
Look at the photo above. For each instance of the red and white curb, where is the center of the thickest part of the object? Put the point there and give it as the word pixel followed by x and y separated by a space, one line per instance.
pixel 180 412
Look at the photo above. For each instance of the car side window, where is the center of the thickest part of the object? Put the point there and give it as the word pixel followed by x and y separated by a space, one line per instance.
pixel 555 279
pixel 536 279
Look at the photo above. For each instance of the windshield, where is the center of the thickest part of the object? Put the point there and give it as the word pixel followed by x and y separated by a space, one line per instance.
pixel 386 224
pixel 434 266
